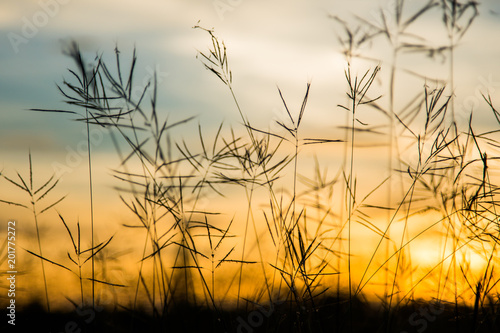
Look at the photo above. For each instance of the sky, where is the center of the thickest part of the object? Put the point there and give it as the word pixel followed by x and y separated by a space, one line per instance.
pixel 270 44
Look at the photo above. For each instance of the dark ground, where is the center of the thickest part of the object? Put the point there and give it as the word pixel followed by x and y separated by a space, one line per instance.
pixel 329 316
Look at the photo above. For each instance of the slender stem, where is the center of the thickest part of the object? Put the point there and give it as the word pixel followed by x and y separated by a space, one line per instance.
pixel 213 274
pixel 341 219
pixel 249 209
pixel 295 173
pixel 80 278
pixel 452 79
pixel 91 207
pixel 351 202
pixel 390 166
pixel 41 254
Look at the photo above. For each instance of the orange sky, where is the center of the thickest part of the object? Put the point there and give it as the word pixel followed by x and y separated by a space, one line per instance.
pixel 269 44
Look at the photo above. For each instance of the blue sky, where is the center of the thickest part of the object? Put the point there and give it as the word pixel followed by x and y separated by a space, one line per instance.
pixel 270 43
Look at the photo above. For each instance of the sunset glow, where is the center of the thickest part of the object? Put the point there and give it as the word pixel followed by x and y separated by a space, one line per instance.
pixel 315 160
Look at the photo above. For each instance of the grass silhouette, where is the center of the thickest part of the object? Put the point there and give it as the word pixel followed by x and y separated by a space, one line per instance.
pixel 194 266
